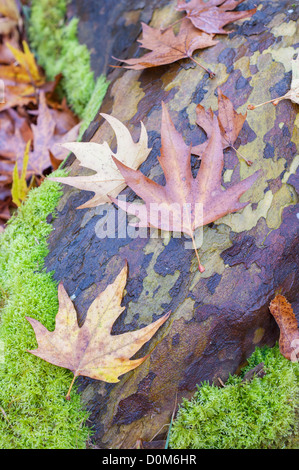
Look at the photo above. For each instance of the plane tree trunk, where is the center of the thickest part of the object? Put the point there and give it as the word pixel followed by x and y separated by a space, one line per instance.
pixel 220 316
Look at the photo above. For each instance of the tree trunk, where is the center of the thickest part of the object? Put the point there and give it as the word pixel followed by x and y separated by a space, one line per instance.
pixel 220 316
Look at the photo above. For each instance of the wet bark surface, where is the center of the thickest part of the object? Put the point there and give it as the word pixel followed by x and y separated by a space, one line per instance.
pixel 110 27
pixel 220 316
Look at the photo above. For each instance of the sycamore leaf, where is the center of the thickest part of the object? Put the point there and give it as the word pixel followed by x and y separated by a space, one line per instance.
pixel 167 47
pixel 98 157
pixel 283 313
pixel 292 94
pixel 230 123
pixel 210 16
pixel 91 350
pixel 184 203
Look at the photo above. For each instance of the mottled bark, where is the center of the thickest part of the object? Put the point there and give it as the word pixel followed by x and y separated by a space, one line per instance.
pixel 220 316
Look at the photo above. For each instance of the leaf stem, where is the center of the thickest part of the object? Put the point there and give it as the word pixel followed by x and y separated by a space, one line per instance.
pixel 211 74
pixel 71 386
pixel 249 162
pixel 200 266
pixel 275 101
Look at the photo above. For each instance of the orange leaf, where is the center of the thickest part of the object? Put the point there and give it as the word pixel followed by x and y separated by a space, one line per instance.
pixel 177 205
pixel 230 123
pixel 283 313
pixel 211 16
pixel 167 47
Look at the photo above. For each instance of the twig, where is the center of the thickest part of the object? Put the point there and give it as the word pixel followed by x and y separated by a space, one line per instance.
pixel 172 418
pixel 221 383
pixel 69 391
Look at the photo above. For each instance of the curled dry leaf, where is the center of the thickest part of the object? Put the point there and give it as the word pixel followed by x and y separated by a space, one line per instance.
pixel 91 350
pixel 210 16
pixel 292 94
pixel 167 47
pixel 285 318
pixel 184 203
pixel 98 157
pixel 230 123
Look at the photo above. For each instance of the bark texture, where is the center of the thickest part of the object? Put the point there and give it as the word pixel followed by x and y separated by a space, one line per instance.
pixel 220 316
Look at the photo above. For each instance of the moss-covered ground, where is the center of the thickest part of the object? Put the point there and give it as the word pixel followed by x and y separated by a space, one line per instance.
pixel 258 414
pixel 34 412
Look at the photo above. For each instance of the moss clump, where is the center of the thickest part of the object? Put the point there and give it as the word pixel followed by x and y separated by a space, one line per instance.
pixel 243 415
pixel 59 51
pixel 33 410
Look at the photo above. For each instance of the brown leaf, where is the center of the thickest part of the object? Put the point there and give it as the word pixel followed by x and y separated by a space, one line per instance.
pixel 210 16
pixel 177 205
pixel 18 95
pixel 167 48
pixel 91 350
pixel 45 140
pixel 230 123
pixel 283 313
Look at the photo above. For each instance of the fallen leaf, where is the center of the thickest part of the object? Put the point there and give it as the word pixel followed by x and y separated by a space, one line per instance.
pixel 7 25
pixel 184 203
pixel 45 140
pixel 17 95
pixel 27 65
pixel 292 94
pixel 6 56
pixel 4 210
pixel 21 80
pixel 230 123
pixel 91 350
pixel 98 157
pixel 167 47
pixel 10 9
pixel 285 318
pixel 210 16
pixel 20 188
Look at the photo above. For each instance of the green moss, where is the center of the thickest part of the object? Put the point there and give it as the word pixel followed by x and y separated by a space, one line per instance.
pixel 34 412
pixel 93 105
pixel 59 51
pixel 262 413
